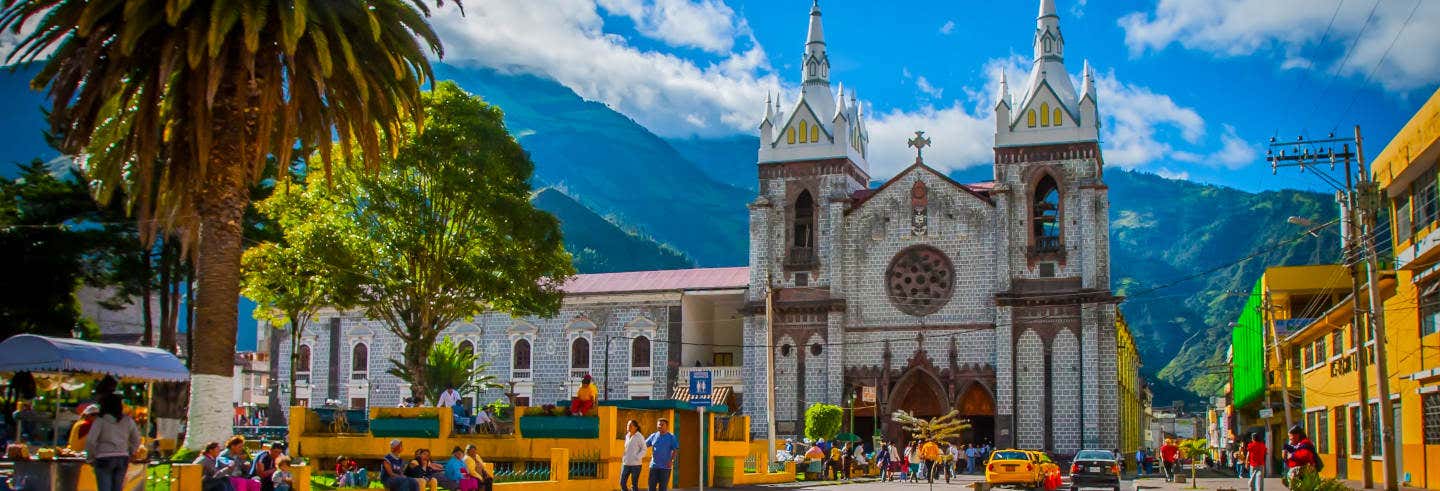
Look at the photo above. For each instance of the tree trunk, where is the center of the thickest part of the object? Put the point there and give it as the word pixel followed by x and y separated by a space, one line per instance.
pixel 189 316
pixel 415 355
pixel 221 197
pixel 148 273
pixel 167 313
pixel 295 330
pixel 275 413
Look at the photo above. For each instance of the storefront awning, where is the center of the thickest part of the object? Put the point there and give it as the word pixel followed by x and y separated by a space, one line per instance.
pixel 32 353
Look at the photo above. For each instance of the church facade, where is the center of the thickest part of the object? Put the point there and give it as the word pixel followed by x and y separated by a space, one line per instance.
pixel 992 299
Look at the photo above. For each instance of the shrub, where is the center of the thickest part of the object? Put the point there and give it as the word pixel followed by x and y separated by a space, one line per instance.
pixel 823 421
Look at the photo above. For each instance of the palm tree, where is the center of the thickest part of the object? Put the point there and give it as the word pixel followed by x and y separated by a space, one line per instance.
pixel 177 104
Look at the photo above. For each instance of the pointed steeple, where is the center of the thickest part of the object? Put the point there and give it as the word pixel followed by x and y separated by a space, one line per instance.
pixel 1087 82
pixel 1047 8
pixel 1002 97
pixel 839 103
pixel 816 67
pixel 769 110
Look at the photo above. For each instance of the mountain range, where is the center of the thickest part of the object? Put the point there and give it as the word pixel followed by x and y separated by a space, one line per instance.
pixel 1182 253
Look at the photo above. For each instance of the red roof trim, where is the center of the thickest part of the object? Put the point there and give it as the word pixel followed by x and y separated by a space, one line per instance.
pixel 861 199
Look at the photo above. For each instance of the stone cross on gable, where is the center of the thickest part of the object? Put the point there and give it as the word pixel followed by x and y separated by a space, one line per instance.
pixel 919 143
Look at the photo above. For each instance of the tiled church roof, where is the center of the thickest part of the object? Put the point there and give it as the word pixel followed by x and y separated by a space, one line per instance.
pixel 664 280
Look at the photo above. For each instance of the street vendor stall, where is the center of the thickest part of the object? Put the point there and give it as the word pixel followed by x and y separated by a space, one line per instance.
pixel 63 362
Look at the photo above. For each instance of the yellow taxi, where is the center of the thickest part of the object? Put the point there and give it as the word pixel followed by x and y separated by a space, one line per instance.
pixel 1013 468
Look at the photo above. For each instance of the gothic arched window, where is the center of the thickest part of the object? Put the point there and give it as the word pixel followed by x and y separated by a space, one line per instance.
pixel 1046 215
pixel 302 359
pixel 804 131
pixel 1044 114
pixel 804 220
pixel 1030 118
pixel 359 362
pixel 790 136
pixel 580 353
pixel 815 133
pixel 640 352
pixel 521 360
pixel 1048 44
pixel 1058 119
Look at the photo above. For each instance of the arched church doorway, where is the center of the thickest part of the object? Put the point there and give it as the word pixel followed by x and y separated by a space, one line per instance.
pixel 918 393
pixel 978 406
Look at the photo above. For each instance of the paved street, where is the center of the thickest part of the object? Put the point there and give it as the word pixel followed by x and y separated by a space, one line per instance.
pixel 965 482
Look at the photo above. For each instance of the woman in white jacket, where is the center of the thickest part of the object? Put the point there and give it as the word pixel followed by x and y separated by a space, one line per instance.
pixel 113 439
pixel 630 460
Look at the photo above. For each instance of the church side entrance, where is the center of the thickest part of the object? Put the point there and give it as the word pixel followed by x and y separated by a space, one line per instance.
pixel 978 406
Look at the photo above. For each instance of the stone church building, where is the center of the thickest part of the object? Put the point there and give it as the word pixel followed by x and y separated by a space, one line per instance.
pixel 990 298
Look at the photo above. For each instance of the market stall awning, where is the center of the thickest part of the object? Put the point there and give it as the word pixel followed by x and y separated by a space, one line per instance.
pixel 31 353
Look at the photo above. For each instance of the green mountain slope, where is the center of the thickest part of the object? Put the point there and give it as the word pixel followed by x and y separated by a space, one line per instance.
pixel 1175 252
pixel 615 166
pixel 600 246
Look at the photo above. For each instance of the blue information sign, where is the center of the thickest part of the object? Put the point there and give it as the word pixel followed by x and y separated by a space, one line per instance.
pixel 700 388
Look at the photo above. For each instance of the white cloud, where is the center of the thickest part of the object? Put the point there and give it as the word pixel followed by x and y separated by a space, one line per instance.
pixel 959 137
pixel 1077 8
pixel 948 28
pixel 1134 116
pixel 1286 28
pixel 566 40
pixel 1170 174
pixel 924 85
pixel 9 40
pixel 706 24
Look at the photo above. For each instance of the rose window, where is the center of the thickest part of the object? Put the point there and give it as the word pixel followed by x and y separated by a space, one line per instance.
pixel 920 280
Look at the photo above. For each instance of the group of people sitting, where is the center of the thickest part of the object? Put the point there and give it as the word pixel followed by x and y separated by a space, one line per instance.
pixel 465 422
pixel 836 461
pixel 234 469
pixel 463 471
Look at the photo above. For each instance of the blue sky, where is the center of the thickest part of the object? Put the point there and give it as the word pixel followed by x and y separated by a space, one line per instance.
pixel 1188 88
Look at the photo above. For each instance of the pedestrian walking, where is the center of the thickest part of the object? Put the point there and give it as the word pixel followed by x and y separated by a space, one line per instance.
pixel 1169 453
pixel 882 457
pixel 1237 459
pixel 1140 462
pixel 631 459
pixel 665 452
pixel 1300 455
pixel 1255 458
pixel 952 468
pixel 112 441
pixel 930 455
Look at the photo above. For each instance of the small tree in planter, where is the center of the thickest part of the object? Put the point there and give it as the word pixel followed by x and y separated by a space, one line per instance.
pixel 823 421
pixel 1195 451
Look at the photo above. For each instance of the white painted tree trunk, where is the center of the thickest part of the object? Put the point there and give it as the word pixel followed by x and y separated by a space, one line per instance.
pixel 211 410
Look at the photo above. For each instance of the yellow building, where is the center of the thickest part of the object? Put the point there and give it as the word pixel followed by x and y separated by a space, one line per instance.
pixel 1132 392
pixel 1406 171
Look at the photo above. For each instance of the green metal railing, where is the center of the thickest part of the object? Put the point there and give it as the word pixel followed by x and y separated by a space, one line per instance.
pixel 522 471
pixel 585 465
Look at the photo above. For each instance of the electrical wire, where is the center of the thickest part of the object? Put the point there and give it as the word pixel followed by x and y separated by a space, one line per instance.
pixel 1356 95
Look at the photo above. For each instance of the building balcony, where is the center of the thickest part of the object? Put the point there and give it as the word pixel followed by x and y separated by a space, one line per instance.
pixel 731 376
pixel 520 374
pixel 1047 245
pixel 640 372
pixel 801 258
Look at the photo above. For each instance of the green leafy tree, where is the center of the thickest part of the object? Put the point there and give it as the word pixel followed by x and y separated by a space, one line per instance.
pixel 443 231
pixel 823 421
pixel 943 428
pixel 44 247
pixel 178 105
pixel 448 366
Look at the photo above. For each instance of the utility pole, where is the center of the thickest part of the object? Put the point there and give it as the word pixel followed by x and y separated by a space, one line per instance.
pixel 1361 203
pixel 769 368
pixel 1283 369
pixel 1370 201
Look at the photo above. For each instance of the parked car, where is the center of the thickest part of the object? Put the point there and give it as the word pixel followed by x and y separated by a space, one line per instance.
pixel 1013 468
pixel 1095 468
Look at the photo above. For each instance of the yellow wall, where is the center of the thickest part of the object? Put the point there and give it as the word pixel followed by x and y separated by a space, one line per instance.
pixel 1407 353
pixel 1131 403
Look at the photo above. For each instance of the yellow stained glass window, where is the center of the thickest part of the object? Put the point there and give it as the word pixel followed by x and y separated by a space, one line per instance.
pixel 1030 118
pixel 790 136
pixel 1058 119
pixel 1044 114
pixel 804 128
pixel 815 133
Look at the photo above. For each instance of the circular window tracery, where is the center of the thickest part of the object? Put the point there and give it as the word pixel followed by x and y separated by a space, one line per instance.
pixel 920 280
pixel 816 349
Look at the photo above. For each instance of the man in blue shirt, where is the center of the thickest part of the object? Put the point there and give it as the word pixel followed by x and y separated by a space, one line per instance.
pixel 665 452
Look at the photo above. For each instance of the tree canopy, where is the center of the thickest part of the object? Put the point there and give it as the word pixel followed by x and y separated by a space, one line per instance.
pixel 823 421
pixel 440 233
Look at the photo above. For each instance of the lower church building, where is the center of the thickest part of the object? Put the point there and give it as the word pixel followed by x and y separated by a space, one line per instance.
pixel 990 298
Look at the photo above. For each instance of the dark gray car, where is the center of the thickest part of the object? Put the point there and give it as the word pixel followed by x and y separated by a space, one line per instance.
pixel 1095 469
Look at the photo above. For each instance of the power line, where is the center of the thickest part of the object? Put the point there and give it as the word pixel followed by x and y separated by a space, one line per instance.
pixel 1383 56
pixel 1346 59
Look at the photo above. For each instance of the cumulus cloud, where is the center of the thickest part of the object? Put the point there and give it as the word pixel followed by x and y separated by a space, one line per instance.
pixel 948 28
pixel 1245 27
pixel 1234 152
pixel 706 24
pixel 1133 118
pixel 566 40
pixel 959 136
pixel 1170 174
pixel 924 85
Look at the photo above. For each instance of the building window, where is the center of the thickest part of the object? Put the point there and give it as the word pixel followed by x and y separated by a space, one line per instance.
pixel 790 136
pixel 1049 45
pixel 1030 118
pixel 580 354
pixel 640 352
pixel 815 133
pixel 1309 355
pixel 920 280
pixel 1355 434
pixel 1430 309
pixel 1402 218
pixel 803 240
pixel 359 362
pixel 1430 407
pixel 1340 433
pixel 786 349
pixel 521 359
pixel 467 348
pixel 1317 423
pixel 1295 357
pixel 1046 215
pixel 722 359
pixel 1058 119
pixel 1337 342
pixel 1425 206
pixel 1376 448
pixel 816 349
pixel 1044 114
pixel 1320 350
pixel 804 130
pixel 302 364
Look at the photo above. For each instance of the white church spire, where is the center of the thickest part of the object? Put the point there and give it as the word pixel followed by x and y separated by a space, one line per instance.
pixel 1049 109
pixel 1002 95
pixel 816 68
